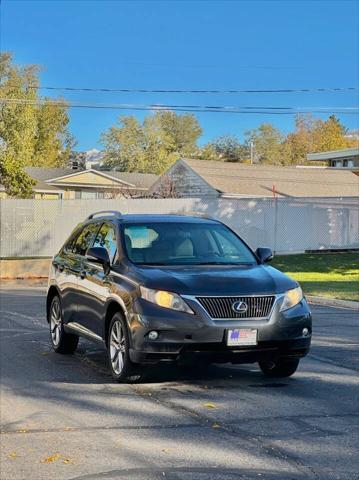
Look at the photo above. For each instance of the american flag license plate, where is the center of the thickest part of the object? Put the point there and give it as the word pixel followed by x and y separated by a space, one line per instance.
pixel 242 337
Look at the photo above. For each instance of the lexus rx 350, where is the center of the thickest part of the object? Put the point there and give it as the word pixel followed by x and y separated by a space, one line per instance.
pixel 154 288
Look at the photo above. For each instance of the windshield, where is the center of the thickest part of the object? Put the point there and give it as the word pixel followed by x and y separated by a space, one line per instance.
pixel 185 244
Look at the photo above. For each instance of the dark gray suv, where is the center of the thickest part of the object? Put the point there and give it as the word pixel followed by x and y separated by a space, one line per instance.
pixel 155 288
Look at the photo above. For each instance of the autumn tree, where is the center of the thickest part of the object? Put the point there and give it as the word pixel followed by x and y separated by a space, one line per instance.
pixel 315 135
pixel 53 142
pixel 268 144
pixel 33 131
pixel 331 135
pixel 226 148
pixel 150 146
pixel 181 132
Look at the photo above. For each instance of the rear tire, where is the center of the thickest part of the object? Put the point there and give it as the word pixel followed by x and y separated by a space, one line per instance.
pixel 123 370
pixel 282 367
pixel 61 341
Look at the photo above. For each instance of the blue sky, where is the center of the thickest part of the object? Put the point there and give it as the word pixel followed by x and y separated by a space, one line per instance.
pixel 188 45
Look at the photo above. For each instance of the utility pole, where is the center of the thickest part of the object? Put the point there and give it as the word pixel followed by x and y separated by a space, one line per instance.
pixel 252 152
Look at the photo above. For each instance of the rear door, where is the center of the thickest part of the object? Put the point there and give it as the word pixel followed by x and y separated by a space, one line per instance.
pixel 94 285
pixel 66 279
pixel 75 267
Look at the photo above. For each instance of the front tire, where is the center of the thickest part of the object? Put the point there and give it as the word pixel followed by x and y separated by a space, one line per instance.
pixel 61 341
pixel 118 345
pixel 282 367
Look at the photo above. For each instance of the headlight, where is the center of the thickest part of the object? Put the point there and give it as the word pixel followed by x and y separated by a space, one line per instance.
pixel 165 299
pixel 291 298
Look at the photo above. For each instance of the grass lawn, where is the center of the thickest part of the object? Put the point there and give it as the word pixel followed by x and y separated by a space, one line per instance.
pixel 324 274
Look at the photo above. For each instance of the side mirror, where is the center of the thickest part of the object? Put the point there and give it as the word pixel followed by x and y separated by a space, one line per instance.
pixel 99 255
pixel 265 255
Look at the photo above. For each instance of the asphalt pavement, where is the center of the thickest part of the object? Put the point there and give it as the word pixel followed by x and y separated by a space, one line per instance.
pixel 62 417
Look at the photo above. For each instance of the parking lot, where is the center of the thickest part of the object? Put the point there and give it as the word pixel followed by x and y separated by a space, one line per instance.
pixel 63 417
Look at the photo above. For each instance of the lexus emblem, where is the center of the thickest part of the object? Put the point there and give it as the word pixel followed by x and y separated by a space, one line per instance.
pixel 239 307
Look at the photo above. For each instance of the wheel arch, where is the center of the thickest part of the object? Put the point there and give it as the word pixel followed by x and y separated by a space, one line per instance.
pixel 113 307
pixel 52 292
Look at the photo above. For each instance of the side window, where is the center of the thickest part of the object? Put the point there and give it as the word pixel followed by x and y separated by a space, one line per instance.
pixel 69 245
pixel 85 239
pixel 106 238
pixel 226 245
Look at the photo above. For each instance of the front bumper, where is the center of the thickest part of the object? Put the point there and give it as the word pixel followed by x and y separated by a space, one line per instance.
pixel 184 335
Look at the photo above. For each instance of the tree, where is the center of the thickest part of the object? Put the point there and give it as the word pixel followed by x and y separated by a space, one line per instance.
pixel 166 189
pixel 150 146
pixel 315 135
pixel 16 182
pixel 267 141
pixel 53 142
pixel 331 135
pixel 181 132
pixel 226 148
pixel 33 132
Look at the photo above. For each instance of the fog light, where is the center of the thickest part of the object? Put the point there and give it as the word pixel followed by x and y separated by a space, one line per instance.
pixel 305 332
pixel 153 335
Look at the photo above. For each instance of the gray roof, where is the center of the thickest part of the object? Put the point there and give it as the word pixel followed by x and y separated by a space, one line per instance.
pixel 253 180
pixel 322 156
pixel 39 186
pixel 141 180
pixel 40 175
pixel 43 174
pixel 42 186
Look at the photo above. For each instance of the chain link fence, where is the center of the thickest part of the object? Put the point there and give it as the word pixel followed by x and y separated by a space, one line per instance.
pixel 37 228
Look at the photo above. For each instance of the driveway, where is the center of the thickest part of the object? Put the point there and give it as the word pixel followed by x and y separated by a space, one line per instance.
pixel 63 418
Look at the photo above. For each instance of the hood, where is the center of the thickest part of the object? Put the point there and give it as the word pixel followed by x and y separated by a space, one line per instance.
pixel 215 279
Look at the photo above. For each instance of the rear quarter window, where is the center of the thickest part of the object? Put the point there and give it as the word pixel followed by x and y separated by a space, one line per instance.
pixel 70 242
pixel 85 239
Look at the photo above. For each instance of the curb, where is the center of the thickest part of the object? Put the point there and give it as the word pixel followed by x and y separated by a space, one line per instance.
pixel 333 302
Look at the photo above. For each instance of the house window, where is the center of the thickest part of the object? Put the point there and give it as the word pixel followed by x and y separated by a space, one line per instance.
pixel 89 195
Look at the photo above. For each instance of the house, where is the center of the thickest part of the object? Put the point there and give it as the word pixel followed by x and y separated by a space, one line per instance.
pixel 41 191
pixel 65 183
pixel 202 178
pixel 348 158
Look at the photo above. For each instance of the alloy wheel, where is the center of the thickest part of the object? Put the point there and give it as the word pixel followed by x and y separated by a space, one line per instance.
pixel 117 347
pixel 55 322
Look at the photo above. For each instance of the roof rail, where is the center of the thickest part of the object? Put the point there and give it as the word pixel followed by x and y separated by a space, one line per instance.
pixel 115 213
pixel 195 213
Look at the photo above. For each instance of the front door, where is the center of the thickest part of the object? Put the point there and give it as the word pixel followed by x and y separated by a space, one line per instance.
pixel 94 285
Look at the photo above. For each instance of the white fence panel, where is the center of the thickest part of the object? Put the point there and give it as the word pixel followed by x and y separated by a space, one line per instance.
pixel 35 228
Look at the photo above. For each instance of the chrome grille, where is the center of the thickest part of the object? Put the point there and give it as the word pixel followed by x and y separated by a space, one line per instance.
pixel 221 307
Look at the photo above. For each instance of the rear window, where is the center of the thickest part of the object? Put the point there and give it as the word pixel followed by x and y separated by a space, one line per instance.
pixel 185 244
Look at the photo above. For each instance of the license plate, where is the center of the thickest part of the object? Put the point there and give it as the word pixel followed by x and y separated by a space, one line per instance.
pixel 242 337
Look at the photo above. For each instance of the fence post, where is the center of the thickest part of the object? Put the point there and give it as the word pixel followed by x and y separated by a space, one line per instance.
pixel 275 225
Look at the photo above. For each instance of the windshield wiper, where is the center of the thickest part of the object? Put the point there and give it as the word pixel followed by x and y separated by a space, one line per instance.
pixel 151 264
pixel 222 263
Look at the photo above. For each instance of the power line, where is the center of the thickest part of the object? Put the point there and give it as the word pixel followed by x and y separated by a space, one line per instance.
pixel 187 108
pixel 229 91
